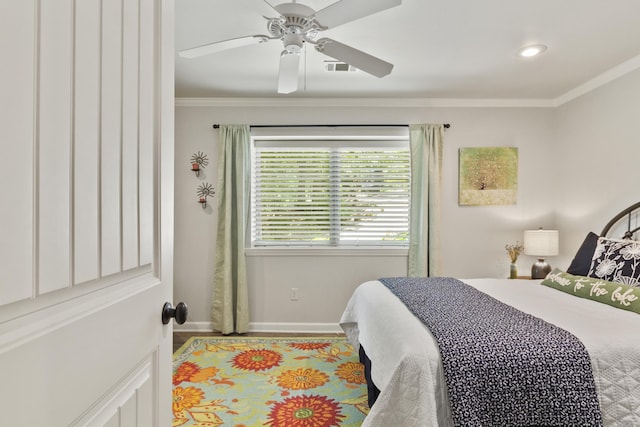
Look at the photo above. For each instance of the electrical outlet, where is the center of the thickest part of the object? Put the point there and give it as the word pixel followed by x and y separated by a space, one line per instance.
pixel 294 294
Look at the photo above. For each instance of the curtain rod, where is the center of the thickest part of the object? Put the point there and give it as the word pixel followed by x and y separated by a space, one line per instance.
pixel 446 126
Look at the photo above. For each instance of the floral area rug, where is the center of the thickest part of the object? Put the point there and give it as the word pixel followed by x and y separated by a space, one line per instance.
pixel 275 382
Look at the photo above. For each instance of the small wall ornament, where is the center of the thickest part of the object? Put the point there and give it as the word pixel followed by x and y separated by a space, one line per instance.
pixel 198 161
pixel 204 190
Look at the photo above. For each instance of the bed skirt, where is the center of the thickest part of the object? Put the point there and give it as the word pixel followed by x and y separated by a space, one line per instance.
pixel 372 390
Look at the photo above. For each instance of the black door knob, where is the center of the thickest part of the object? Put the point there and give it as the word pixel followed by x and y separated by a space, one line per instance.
pixel 180 313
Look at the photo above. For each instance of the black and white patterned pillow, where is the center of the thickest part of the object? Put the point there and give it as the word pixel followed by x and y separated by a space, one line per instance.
pixel 616 261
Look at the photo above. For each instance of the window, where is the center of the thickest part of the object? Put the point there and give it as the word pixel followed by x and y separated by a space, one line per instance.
pixel 319 190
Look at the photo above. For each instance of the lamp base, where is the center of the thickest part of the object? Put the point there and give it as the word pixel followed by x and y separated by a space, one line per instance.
pixel 540 269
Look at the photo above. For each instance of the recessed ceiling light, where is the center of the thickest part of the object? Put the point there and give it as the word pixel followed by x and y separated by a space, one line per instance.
pixel 530 51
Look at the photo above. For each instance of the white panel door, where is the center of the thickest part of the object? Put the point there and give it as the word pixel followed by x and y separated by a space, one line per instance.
pixel 16 159
pixel 86 173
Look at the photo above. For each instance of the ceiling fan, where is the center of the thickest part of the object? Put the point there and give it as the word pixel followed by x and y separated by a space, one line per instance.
pixel 298 24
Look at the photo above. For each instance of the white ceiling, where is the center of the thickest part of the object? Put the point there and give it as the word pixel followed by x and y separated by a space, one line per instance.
pixel 439 48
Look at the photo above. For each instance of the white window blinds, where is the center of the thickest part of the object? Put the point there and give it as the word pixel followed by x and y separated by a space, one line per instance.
pixel 330 192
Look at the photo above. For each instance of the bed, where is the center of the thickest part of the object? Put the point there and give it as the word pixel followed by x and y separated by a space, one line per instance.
pixel 404 365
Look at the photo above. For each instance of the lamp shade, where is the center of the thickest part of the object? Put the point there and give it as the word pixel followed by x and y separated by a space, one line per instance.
pixel 541 242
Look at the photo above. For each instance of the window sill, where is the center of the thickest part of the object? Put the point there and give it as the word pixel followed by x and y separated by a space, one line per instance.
pixel 302 251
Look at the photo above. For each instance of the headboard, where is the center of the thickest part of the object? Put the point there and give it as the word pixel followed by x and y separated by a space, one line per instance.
pixel 625 224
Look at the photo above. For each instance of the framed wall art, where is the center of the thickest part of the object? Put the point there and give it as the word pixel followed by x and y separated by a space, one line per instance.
pixel 488 176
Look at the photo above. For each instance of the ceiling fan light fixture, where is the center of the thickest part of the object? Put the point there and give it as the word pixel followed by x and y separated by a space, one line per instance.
pixel 531 51
pixel 293 42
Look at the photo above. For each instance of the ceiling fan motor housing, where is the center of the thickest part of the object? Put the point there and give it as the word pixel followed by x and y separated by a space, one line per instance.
pixel 293 40
pixel 296 25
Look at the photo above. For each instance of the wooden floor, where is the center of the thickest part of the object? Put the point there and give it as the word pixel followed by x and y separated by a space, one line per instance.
pixel 180 337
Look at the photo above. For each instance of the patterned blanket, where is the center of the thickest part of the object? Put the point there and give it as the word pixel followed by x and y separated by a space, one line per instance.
pixel 503 367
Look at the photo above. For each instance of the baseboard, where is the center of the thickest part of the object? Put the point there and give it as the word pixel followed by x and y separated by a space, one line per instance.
pixel 316 328
pixel 319 328
pixel 193 327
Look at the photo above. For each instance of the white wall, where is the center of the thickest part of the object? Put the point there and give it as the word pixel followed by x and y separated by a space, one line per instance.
pixel 473 237
pixel 597 152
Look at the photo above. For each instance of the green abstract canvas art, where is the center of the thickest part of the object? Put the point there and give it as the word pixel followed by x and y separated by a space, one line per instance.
pixel 488 176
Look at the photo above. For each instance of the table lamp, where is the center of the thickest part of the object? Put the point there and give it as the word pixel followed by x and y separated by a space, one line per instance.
pixel 540 243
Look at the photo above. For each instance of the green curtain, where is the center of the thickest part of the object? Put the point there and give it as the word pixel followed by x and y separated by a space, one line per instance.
pixel 230 305
pixel 425 141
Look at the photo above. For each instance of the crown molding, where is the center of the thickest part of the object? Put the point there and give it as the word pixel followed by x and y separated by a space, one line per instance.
pixel 364 102
pixel 601 80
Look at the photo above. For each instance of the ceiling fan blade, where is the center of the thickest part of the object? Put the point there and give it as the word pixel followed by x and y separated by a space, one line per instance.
pixel 288 78
pixel 354 57
pixel 344 11
pixel 222 45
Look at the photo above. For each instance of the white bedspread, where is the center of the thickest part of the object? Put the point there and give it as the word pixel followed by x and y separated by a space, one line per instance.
pixel 406 363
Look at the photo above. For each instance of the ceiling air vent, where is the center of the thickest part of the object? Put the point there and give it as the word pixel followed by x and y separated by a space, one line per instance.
pixel 338 66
